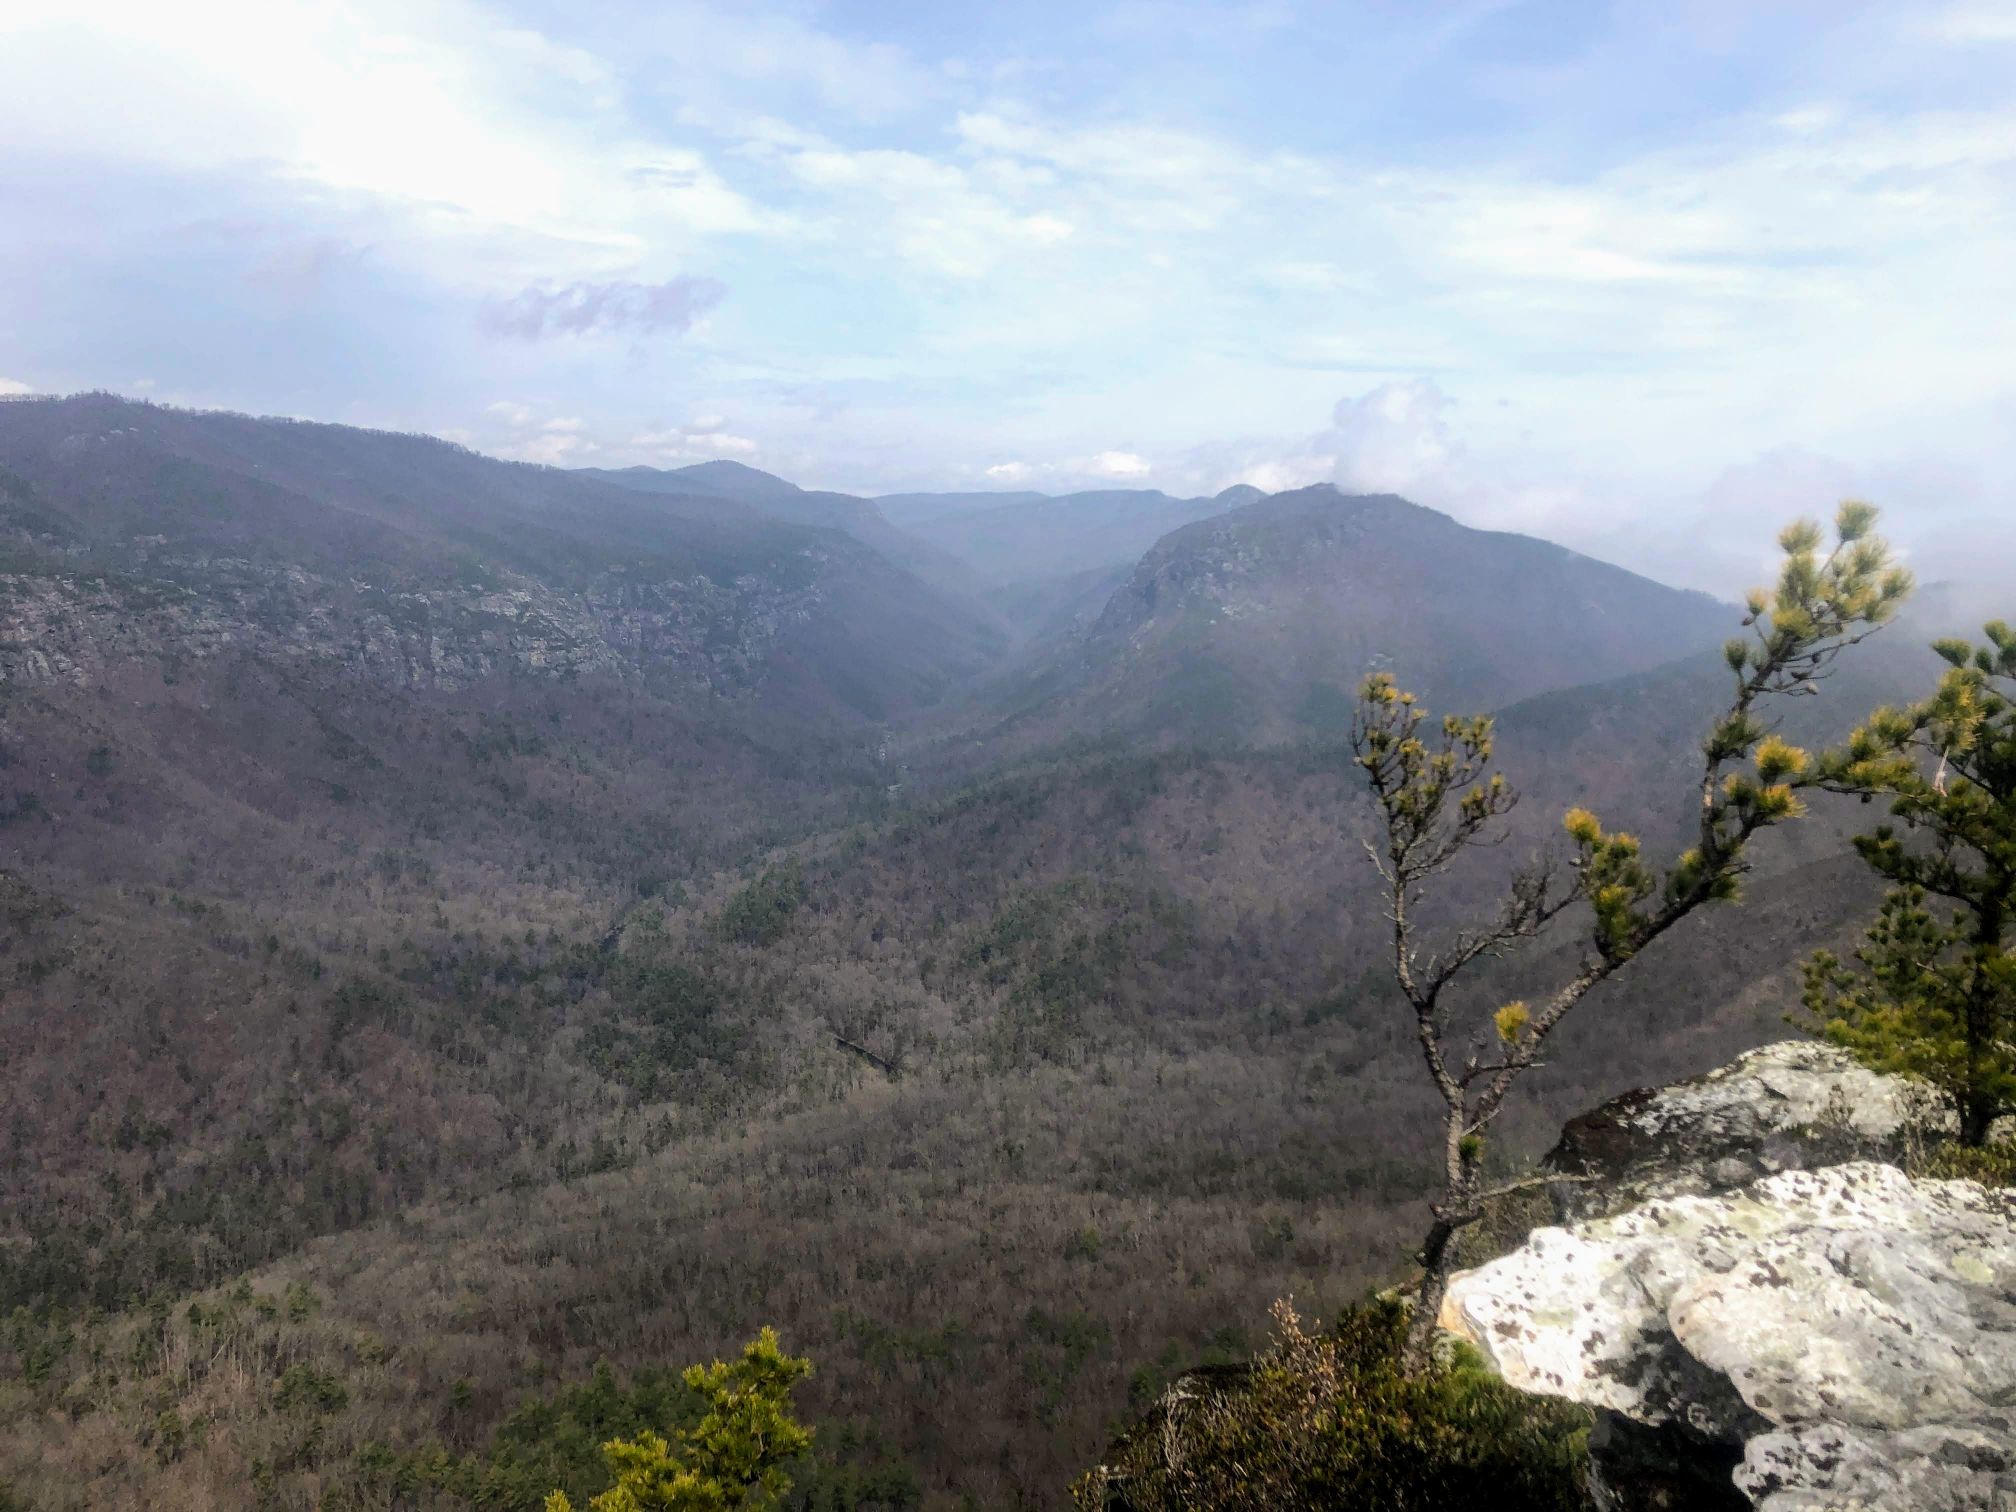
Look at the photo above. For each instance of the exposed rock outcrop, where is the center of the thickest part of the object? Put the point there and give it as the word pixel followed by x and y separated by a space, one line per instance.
pixel 138 537
pixel 1834 1337
pixel 1792 1106
pixel 56 629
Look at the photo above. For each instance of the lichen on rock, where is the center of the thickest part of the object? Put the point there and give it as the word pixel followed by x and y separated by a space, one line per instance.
pixel 1850 1331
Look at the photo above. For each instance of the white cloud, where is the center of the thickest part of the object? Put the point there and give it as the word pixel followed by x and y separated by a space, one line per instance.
pixel 1118 464
pixel 1271 477
pixel 1148 177
pixel 553 449
pixel 720 443
pixel 505 155
pixel 695 49
pixel 527 436
pixel 1392 439
pixel 930 212
pixel 1981 21
pixel 1314 276
pixel 11 386
pixel 704 440
pixel 1807 119
pixel 1010 472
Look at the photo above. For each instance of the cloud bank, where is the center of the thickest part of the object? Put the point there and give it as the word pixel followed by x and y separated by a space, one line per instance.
pixel 582 309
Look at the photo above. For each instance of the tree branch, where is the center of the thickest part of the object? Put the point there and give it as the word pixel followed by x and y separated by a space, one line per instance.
pixel 1533 1183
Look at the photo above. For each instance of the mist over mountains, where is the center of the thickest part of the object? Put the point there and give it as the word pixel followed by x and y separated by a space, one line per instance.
pixel 568 915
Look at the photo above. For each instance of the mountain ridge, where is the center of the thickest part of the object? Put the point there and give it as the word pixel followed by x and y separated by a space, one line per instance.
pixel 419 560
pixel 1255 626
pixel 776 498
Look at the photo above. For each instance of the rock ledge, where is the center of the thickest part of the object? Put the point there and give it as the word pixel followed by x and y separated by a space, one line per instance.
pixel 1849 1333
pixel 1795 1105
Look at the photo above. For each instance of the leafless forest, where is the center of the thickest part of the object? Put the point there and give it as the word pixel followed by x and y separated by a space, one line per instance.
pixel 383 1055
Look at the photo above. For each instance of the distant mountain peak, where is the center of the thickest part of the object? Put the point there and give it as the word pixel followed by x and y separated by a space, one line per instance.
pixel 1239 493
pixel 735 480
pixel 1253 625
pixel 719 479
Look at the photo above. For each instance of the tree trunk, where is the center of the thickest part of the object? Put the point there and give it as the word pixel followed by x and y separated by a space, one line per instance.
pixel 1977 1113
pixel 1456 1210
pixel 1977 1103
pixel 1436 1263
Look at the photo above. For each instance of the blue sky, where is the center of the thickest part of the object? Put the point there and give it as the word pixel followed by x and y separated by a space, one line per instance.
pixel 1641 277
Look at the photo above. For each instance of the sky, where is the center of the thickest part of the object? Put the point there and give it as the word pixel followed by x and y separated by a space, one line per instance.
pixel 1645 278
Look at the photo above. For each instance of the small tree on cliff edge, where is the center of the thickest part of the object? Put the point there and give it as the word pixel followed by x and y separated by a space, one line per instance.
pixel 1437 798
pixel 1933 993
pixel 732 1460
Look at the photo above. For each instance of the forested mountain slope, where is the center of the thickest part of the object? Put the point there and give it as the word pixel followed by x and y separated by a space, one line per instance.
pixel 769 495
pixel 1149 1079
pixel 1631 745
pixel 138 532
pixel 1256 627
pixel 480 895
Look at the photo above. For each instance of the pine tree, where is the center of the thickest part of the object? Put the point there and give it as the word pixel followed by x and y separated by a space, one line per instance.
pixel 732 1460
pixel 1933 991
pixel 1437 798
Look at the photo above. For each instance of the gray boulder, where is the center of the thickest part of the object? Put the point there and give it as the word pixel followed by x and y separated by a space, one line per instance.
pixel 1785 1107
pixel 1843 1338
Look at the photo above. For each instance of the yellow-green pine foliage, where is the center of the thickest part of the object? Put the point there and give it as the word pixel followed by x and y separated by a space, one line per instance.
pixel 1932 990
pixel 1824 601
pixel 732 1460
pixel 1511 1022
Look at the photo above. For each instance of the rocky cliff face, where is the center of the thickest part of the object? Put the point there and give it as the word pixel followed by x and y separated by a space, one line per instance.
pixel 131 533
pixel 695 633
pixel 1755 1325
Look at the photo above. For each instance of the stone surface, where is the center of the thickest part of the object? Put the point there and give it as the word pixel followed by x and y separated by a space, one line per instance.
pixel 1830 1467
pixel 1796 1105
pixel 1850 1331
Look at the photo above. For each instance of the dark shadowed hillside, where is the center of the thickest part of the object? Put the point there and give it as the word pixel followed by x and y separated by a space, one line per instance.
pixel 1632 744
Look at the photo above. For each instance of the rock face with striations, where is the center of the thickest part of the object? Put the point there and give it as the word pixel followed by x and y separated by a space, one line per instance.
pixel 1838 1337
